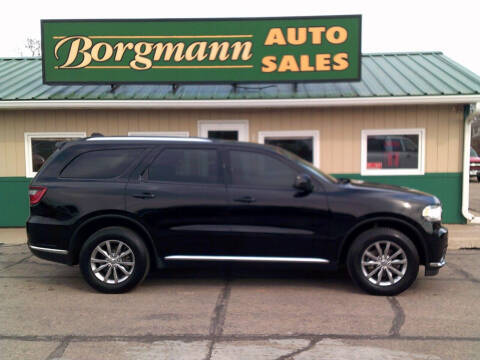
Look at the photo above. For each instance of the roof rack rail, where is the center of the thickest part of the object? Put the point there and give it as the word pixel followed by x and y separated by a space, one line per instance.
pixel 149 138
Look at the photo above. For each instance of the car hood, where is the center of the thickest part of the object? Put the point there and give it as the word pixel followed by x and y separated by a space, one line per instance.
pixel 394 191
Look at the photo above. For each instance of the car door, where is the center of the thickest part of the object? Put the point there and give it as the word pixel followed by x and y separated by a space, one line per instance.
pixel 269 217
pixel 181 197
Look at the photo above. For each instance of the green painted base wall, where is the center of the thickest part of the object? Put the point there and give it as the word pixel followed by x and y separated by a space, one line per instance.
pixel 14 204
pixel 447 187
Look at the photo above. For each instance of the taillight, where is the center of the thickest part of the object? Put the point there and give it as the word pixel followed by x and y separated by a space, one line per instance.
pixel 36 193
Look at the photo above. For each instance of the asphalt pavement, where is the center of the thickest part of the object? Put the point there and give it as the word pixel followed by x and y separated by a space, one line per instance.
pixel 242 312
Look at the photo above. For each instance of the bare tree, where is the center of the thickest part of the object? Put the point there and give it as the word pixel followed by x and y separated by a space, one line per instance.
pixel 33 45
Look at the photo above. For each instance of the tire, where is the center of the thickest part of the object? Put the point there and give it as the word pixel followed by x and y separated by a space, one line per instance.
pixel 385 276
pixel 117 273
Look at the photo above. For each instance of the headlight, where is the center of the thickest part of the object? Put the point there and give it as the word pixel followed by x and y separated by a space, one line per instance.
pixel 432 213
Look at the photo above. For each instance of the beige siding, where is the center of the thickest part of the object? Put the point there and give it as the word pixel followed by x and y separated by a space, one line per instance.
pixel 340 129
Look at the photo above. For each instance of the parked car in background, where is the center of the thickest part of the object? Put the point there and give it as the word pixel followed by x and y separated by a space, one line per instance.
pixel 474 164
pixel 118 206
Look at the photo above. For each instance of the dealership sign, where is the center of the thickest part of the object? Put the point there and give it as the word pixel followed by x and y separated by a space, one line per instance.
pixel 201 50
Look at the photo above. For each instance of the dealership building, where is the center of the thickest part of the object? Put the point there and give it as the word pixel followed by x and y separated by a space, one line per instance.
pixel 406 122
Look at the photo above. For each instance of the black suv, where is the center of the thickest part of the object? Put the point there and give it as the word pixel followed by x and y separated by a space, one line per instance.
pixel 119 205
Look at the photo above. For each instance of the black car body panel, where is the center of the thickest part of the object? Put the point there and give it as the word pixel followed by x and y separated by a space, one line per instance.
pixel 221 218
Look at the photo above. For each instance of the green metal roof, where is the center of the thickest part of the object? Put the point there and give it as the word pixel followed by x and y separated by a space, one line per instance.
pixel 383 75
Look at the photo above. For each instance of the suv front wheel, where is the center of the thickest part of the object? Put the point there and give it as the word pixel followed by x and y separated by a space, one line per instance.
pixel 383 261
pixel 114 260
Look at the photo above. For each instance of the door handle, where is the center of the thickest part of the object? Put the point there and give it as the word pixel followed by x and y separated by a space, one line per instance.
pixel 246 199
pixel 145 195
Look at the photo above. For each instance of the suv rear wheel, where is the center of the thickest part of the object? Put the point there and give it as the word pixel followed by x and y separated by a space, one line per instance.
pixel 114 260
pixel 383 261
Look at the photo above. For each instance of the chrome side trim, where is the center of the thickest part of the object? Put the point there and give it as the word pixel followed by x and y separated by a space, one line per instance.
pixel 247 258
pixel 438 264
pixel 54 251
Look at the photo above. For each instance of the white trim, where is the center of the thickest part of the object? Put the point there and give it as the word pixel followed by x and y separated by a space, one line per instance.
pixel 380 172
pixel 240 103
pixel 160 133
pixel 204 126
pixel 38 135
pixel 466 169
pixel 295 134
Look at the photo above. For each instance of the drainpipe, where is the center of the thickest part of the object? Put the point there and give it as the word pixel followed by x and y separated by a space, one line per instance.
pixel 467 131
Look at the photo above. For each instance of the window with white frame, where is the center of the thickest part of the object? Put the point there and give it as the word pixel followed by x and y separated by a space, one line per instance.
pixel 159 133
pixel 40 145
pixel 304 143
pixel 393 152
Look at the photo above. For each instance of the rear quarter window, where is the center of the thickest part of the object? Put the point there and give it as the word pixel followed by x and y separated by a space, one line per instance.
pixel 100 164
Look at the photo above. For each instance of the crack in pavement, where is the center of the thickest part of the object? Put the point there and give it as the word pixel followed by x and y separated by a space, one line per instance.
pixel 290 355
pixel 59 350
pixel 219 314
pixel 12 245
pixel 18 262
pixel 225 338
pixel 462 272
pixel 399 318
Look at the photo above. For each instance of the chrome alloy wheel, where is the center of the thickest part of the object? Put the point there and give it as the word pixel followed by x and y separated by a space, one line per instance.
pixel 112 261
pixel 384 263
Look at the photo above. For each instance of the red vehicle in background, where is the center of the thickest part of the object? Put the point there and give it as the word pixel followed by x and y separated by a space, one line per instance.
pixel 474 164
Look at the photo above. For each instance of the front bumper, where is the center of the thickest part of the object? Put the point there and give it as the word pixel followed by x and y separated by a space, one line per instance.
pixel 438 252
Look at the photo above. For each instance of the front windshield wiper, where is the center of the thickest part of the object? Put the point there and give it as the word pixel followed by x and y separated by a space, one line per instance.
pixel 343 180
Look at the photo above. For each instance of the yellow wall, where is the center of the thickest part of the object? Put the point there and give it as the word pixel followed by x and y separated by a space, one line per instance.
pixel 340 129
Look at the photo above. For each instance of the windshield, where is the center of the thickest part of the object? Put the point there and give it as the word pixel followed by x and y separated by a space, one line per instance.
pixel 473 153
pixel 305 165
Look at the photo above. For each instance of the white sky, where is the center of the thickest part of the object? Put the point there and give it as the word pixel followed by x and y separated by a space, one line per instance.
pixel 452 27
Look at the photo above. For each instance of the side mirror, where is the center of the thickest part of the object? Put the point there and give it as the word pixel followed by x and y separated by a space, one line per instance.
pixel 304 183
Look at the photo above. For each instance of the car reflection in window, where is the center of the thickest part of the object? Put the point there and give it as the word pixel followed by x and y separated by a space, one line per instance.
pixel 392 152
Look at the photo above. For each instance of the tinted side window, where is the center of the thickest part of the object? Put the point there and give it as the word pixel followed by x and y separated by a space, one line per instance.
pixel 185 165
pixel 100 164
pixel 256 169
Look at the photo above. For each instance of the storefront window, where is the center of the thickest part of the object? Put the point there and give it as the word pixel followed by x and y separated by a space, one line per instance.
pixel 301 147
pixel 392 152
pixel 303 143
pixel 39 146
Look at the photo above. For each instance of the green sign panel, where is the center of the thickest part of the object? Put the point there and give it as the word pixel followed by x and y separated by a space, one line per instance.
pixel 201 50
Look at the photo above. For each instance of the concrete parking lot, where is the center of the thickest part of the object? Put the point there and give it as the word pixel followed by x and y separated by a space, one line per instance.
pixel 48 312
